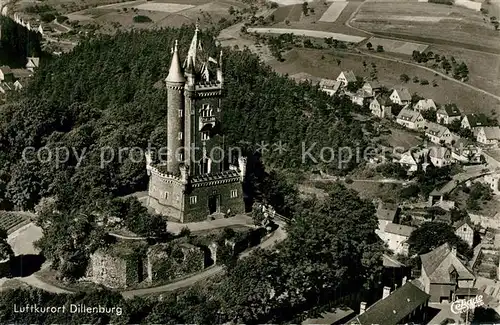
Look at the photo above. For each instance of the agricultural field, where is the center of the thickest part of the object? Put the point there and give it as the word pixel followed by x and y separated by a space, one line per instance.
pixel 284 17
pixel 395 46
pixel 324 64
pixel 12 220
pixel 428 22
pixel 333 12
pixel 308 33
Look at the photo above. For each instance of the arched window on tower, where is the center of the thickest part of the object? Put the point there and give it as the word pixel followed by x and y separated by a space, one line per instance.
pixel 205 165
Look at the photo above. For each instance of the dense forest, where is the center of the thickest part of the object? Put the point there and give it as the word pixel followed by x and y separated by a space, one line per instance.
pixel 17 43
pixel 102 95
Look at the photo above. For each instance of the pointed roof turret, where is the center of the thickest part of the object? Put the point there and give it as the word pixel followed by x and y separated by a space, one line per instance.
pixel 175 72
pixel 190 67
pixel 193 48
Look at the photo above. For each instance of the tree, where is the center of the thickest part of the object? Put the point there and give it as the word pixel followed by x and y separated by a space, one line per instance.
pixel 305 8
pixel 369 46
pixel 429 115
pixel 380 48
pixel 433 234
pixel 404 78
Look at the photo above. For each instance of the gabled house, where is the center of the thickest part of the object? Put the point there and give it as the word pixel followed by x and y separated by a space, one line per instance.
pixel 438 134
pixel 473 121
pixel 400 96
pixel 32 64
pixel 465 231
pixel 18 85
pixel 360 97
pixel 396 236
pixel 424 105
pixel 410 119
pixel 6 74
pixel 380 106
pixel 440 156
pixel 387 213
pixel 448 113
pixel 372 87
pixel 489 135
pixel 412 158
pixel 466 152
pixel 405 305
pixel 443 273
pixel 5 87
pixel 346 77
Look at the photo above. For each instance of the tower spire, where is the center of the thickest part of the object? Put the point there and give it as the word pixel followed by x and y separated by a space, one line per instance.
pixel 193 48
pixel 175 72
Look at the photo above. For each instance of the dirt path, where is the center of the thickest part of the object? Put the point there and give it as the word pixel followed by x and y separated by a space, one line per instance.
pixel 362 53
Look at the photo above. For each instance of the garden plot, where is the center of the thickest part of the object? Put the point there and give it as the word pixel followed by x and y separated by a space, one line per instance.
pixel 333 12
pixel 308 33
pixel 163 7
pixel 397 46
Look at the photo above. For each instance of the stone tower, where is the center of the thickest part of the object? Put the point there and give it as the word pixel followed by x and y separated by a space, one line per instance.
pixel 197 181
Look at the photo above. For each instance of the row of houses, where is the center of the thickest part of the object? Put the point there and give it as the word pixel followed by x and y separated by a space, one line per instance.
pixel 10 82
pixel 30 24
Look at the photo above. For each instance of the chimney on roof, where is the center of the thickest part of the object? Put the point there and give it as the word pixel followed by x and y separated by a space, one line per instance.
pixel 404 281
pixel 454 250
pixel 387 292
pixel 362 307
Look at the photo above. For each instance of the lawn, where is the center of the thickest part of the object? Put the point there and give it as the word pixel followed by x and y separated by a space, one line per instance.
pixel 311 61
pixel 401 138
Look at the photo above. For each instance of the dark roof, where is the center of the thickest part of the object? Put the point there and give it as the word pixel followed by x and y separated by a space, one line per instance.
pixel 397 229
pixel 460 223
pixel 5 69
pixel 387 211
pixel 391 262
pixel 450 110
pixel 477 120
pixel 391 310
pixel 329 318
pixel 437 263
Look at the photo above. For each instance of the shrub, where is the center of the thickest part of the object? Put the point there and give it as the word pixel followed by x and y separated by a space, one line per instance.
pixel 415 79
pixel 47 17
pixel 61 19
pixel 142 19
pixel 424 82
pixel 380 48
pixel 349 180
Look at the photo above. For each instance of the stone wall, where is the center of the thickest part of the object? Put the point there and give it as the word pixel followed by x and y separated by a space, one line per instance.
pixel 200 211
pixel 166 262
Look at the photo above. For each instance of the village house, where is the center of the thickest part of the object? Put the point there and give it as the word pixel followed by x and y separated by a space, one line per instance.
pixel 424 105
pixel 400 96
pixel 18 85
pixel 6 87
pixel 465 151
pixel 438 134
pixel 440 156
pixel 410 119
pixel 360 97
pixel 372 87
pixel 443 274
pixel 387 213
pixel 395 236
pixel 488 135
pixel 465 231
pixel 346 77
pixel 448 114
pixel 493 181
pixel 474 121
pixel 412 158
pixel 380 106
pixel 405 305
pixel 6 74
pixel 32 64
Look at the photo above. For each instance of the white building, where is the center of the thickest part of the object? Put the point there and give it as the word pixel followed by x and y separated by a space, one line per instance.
pixel 396 236
pixel 440 156
pixel 438 134
pixel 489 135
pixel 448 114
pixel 400 96
pixel 424 105
pixel 345 77
pixel 493 181
pixel 380 106
pixel 410 119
